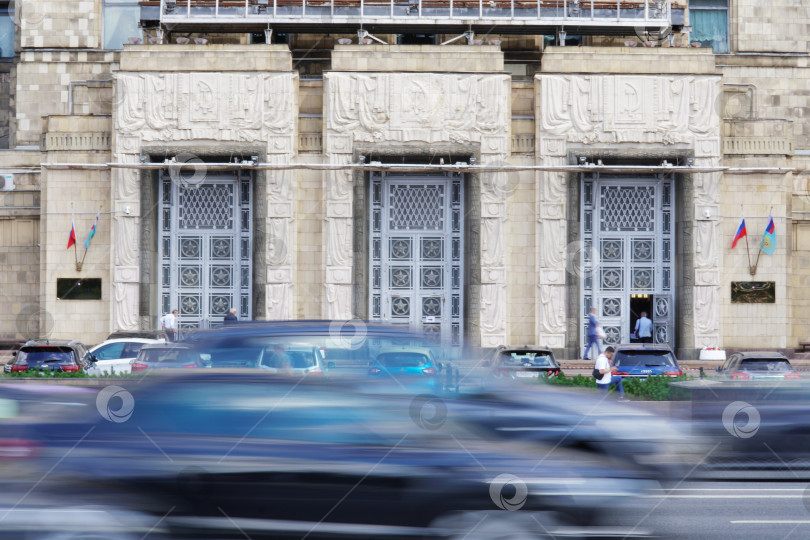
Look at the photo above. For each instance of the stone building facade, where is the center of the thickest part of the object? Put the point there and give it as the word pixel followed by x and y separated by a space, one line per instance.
pixel 492 192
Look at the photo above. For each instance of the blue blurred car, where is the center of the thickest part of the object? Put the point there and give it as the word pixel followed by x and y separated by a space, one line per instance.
pixel 241 453
pixel 407 366
pixel 641 360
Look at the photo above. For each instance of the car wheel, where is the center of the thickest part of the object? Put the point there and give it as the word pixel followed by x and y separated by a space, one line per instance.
pixel 495 525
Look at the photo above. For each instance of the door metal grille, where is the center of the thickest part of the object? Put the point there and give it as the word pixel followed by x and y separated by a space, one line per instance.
pixel 628 248
pixel 416 252
pixel 205 249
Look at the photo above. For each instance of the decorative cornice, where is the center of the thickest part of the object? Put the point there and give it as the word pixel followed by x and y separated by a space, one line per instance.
pixel 75 142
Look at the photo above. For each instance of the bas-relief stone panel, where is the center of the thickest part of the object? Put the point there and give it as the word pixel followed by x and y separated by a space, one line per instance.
pixel 649 113
pixel 159 108
pixel 418 110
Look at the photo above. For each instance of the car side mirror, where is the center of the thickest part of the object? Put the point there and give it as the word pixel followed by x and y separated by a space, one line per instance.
pixel 330 365
pixel 439 366
pixel 14 353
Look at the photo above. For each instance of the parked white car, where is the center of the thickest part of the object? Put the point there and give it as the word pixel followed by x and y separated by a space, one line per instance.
pixel 116 355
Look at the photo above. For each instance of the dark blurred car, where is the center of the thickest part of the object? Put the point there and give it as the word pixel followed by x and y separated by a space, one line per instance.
pixel 524 362
pixel 167 356
pixel 641 360
pixel 757 365
pixel 235 454
pixel 64 356
pixel 407 366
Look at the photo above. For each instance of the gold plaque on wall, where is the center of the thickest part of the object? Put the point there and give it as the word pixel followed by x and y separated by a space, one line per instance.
pixel 753 292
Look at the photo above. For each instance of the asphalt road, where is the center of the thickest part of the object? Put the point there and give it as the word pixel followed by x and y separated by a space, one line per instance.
pixel 731 510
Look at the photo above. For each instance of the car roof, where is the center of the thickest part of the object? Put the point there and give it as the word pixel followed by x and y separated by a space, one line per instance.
pixel 643 347
pixel 761 354
pixel 53 343
pixel 301 327
pixel 527 348
pixel 166 345
pixel 420 350
pixel 127 340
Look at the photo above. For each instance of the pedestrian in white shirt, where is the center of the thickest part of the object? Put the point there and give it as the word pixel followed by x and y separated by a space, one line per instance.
pixel 606 369
pixel 644 328
pixel 169 324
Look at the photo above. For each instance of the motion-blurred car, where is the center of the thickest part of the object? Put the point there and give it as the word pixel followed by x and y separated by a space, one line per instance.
pixel 116 355
pixel 301 359
pixel 235 454
pixel 757 365
pixel 64 356
pixel 167 356
pixel 524 362
pixel 660 447
pixel 406 366
pixel 641 360
pixel 348 347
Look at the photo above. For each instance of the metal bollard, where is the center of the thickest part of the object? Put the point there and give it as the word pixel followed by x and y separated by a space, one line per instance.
pixel 702 375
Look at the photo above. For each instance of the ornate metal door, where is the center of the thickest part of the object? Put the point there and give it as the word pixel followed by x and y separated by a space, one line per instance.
pixel 416 252
pixel 205 249
pixel 627 232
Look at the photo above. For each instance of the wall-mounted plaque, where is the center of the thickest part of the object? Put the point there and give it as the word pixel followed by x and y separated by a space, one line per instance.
pixel 753 292
pixel 78 288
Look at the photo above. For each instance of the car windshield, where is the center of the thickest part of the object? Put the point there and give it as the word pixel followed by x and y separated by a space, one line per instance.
pixel 402 359
pixel 644 358
pixel 44 355
pixel 168 355
pixel 765 364
pixel 521 358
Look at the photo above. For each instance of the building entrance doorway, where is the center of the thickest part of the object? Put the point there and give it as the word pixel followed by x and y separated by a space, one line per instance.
pixel 628 254
pixel 416 252
pixel 639 303
pixel 205 248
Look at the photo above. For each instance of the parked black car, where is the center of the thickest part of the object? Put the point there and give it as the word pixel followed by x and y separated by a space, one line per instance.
pixel 524 362
pixel 230 454
pixel 44 355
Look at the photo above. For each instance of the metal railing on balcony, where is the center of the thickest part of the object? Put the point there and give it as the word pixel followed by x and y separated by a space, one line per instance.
pixel 577 13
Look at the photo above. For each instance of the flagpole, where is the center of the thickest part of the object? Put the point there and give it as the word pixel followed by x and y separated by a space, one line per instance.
pixel 76 257
pixel 770 215
pixel 751 269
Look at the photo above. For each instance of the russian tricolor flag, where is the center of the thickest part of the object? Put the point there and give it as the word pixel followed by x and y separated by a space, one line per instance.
pixel 740 233
pixel 72 237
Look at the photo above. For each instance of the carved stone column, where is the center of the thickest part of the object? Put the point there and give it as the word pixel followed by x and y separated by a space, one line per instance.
pixel 707 251
pixel 550 246
pixel 281 245
pixel 338 237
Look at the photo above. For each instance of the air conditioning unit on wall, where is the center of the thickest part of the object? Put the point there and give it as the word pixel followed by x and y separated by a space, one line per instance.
pixel 6 182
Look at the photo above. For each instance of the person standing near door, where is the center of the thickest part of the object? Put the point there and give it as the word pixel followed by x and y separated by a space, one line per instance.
pixel 169 324
pixel 593 334
pixel 644 328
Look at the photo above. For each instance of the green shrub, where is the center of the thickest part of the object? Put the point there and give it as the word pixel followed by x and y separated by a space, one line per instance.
pixel 654 388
